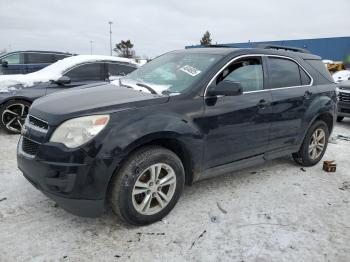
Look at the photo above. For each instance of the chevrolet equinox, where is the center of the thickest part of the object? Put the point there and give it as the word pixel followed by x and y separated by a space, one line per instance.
pixel 185 116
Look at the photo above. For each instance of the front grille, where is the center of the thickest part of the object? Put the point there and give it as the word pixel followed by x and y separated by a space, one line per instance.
pixel 38 123
pixel 344 97
pixel 30 147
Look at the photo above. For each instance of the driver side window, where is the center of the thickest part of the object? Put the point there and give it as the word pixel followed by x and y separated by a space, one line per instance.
pixel 248 72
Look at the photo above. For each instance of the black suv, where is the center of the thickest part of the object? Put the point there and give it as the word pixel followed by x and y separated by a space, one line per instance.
pixel 23 62
pixel 185 116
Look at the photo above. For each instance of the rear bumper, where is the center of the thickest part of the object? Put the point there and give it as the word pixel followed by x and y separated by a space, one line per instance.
pixel 77 183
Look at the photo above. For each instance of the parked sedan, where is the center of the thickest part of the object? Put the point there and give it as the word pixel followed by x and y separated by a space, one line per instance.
pixel 17 92
pixel 23 62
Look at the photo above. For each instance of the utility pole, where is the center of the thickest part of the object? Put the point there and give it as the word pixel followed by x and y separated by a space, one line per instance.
pixel 91 42
pixel 110 36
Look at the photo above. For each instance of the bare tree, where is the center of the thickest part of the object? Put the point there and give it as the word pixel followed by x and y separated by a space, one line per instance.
pixel 124 49
pixel 206 40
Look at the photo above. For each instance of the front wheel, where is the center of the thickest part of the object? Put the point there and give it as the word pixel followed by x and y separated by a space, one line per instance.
pixel 13 114
pixel 148 186
pixel 314 145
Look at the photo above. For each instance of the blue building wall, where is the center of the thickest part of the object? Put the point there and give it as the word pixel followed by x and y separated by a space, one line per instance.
pixel 333 48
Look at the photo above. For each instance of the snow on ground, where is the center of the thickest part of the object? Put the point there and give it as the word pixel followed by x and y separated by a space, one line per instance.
pixel 273 212
pixel 55 70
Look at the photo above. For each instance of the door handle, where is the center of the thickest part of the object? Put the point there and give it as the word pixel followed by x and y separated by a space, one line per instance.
pixel 307 94
pixel 263 103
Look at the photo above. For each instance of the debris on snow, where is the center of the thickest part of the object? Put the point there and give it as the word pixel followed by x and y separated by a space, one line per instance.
pixel 220 208
pixel 345 186
pixel 342 137
pixel 201 235
pixel 329 166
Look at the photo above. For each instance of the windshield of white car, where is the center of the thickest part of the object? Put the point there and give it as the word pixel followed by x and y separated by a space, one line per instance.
pixel 172 72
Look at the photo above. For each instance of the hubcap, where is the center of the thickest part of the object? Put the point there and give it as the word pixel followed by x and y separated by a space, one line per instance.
pixel 317 143
pixel 14 116
pixel 154 189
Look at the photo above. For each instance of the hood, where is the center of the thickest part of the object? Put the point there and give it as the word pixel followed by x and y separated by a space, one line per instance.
pixel 100 99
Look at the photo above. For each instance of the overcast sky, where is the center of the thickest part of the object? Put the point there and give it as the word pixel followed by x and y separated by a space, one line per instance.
pixel 157 26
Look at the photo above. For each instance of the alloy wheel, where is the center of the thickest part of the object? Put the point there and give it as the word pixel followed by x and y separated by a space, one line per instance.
pixel 317 143
pixel 154 189
pixel 13 117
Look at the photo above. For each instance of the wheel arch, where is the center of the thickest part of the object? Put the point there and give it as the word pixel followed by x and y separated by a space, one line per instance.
pixel 17 98
pixel 169 140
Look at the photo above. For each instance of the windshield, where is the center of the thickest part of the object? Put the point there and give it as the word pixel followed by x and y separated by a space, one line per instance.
pixel 172 72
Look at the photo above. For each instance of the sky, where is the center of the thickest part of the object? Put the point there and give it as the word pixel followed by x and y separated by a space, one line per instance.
pixel 158 26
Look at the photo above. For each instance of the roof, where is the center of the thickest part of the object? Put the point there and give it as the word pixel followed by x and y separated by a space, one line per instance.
pixel 37 51
pixel 231 51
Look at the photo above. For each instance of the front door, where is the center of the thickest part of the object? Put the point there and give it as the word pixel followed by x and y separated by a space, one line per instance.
pixel 237 127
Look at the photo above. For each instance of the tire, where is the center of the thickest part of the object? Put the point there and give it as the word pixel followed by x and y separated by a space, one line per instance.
pixel 13 114
pixel 306 158
pixel 127 198
pixel 340 118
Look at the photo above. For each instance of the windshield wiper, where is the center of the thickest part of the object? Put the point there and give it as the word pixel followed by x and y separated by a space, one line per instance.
pixel 148 88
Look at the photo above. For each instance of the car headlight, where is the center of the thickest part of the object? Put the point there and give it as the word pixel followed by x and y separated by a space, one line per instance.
pixel 77 131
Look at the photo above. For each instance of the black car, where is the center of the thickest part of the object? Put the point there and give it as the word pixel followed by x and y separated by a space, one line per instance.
pixel 344 100
pixel 16 100
pixel 23 62
pixel 200 113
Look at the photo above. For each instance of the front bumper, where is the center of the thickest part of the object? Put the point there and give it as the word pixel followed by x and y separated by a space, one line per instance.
pixel 76 182
pixel 343 109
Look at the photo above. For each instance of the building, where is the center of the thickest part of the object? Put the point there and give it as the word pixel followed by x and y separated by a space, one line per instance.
pixel 332 48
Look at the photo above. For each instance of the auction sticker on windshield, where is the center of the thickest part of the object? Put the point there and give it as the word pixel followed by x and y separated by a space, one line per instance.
pixel 190 70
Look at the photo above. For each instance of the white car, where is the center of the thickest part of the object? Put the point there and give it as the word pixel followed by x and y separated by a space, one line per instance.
pixel 17 92
pixel 110 68
pixel 342 75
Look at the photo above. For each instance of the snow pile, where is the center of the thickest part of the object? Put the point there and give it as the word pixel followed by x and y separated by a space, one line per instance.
pixel 54 71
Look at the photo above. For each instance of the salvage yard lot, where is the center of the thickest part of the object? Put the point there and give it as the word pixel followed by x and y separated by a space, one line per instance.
pixel 273 212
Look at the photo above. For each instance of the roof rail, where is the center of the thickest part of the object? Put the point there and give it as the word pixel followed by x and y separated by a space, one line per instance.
pixel 224 46
pixel 282 47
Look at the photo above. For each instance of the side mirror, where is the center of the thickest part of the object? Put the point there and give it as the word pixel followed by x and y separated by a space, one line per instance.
pixel 225 88
pixel 63 80
pixel 4 63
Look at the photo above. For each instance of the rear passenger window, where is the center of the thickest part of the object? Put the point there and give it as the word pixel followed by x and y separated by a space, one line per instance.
pixel 115 69
pixel 37 58
pixel 248 72
pixel 85 72
pixel 305 79
pixel 283 73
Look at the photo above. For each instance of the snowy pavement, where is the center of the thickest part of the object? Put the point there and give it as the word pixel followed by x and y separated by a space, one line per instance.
pixel 273 212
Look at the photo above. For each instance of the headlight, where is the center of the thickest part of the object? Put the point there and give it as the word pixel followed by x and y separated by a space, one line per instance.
pixel 77 131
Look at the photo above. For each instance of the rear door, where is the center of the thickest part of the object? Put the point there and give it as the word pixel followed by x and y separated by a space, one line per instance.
pixel 37 61
pixel 291 90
